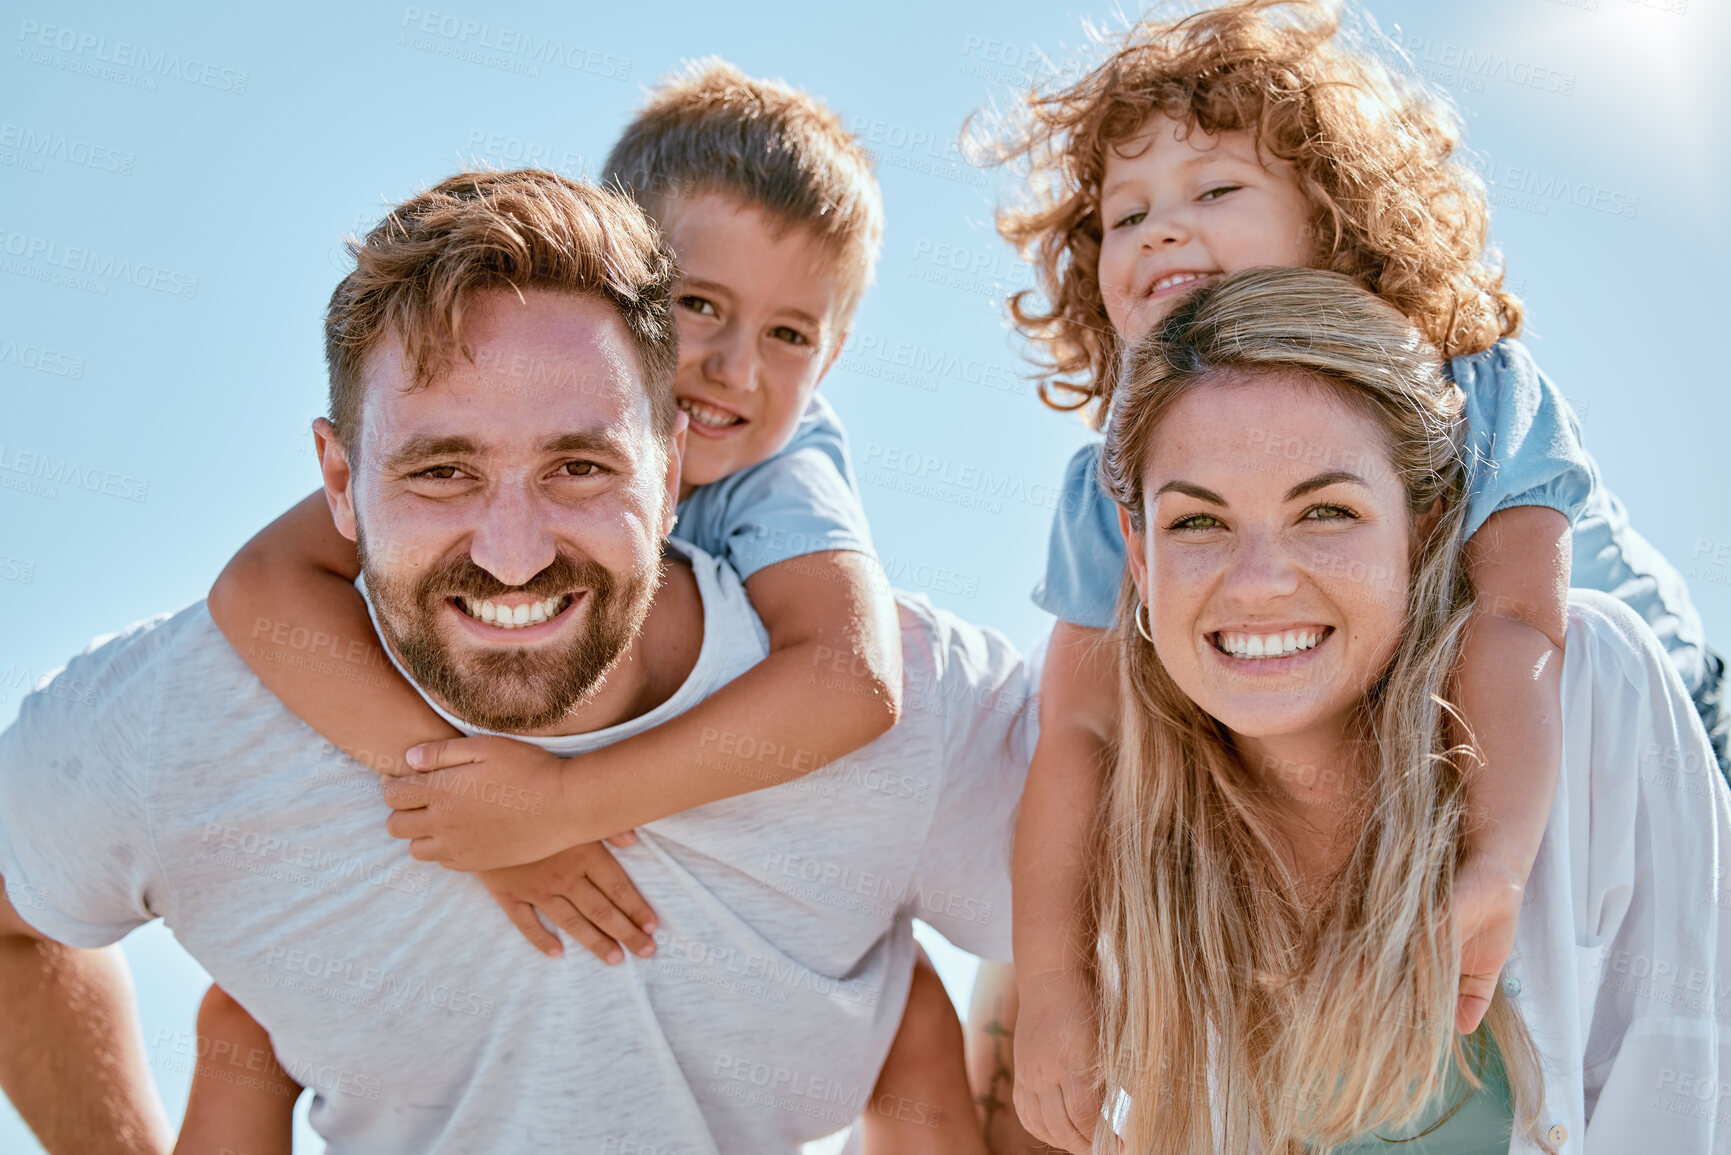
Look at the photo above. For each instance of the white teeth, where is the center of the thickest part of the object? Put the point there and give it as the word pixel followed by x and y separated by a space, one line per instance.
pixel 1168 282
pixel 515 617
pixel 707 415
pixel 1268 645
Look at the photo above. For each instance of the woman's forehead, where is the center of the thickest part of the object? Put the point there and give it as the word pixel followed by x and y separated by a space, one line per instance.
pixel 1272 426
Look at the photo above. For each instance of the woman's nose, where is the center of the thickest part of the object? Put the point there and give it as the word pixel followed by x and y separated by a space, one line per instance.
pixel 1261 570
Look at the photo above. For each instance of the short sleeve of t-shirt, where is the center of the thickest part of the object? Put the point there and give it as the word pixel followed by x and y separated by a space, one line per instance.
pixel 804 500
pixel 1526 444
pixel 985 692
pixel 1525 449
pixel 1085 552
pixel 75 847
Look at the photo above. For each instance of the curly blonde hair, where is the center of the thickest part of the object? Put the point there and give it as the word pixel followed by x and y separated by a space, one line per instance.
pixel 1373 150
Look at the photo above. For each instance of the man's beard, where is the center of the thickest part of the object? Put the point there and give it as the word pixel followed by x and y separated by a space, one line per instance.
pixel 520 689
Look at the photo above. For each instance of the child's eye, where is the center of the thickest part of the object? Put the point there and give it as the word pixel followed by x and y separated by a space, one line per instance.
pixel 1194 521
pixel 1330 513
pixel 1215 194
pixel 1132 220
pixel 790 335
pixel 703 306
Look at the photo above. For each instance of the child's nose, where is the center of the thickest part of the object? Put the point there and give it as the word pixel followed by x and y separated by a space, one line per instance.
pixel 732 361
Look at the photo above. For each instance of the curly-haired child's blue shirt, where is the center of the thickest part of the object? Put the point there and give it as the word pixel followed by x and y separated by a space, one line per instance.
pixel 1525 450
pixel 803 500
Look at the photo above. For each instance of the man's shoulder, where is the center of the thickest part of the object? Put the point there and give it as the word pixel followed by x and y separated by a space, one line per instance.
pixel 131 665
pixel 954 670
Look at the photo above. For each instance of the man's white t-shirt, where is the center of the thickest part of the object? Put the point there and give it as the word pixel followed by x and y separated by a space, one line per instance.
pixel 156 777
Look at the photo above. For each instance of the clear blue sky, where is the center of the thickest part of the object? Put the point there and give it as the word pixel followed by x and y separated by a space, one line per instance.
pixel 235 147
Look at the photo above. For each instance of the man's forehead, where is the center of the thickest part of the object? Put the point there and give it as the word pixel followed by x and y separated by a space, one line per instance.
pixel 559 369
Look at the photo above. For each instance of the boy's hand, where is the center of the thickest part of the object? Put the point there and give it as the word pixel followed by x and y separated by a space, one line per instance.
pixel 1055 1032
pixel 583 890
pixel 479 803
pixel 1488 904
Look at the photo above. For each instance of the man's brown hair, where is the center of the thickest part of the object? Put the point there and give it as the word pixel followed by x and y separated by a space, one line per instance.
pixel 713 129
pixel 417 269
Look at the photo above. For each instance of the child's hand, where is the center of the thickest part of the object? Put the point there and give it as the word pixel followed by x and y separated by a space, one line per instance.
pixel 583 890
pixel 479 803
pixel 1055 1033
pixel 1488 904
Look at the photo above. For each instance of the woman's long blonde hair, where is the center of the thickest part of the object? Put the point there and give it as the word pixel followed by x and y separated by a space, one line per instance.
pixel 1232 1006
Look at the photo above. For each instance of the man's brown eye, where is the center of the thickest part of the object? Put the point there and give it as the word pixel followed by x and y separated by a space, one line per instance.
pixel 440 472
pixel 580 468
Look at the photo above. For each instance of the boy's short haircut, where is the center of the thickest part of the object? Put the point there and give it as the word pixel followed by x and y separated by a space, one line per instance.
pixel 713 129
pixel 416 270
pixel 1375 151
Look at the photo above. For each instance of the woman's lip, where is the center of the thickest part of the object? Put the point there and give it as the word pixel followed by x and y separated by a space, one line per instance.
pixel 493 635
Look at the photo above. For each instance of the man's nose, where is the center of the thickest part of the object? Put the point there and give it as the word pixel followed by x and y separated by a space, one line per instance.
pixel 731 359
pixel 514 540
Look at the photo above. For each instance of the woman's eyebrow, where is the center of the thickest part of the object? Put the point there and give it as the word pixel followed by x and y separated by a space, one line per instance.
pixel 1323 480
pixel 1191 490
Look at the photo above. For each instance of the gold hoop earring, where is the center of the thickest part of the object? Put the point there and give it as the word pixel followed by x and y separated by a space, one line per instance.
pixel 1147 631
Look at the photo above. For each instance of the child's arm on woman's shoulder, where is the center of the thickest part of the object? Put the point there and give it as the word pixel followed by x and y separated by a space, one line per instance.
pixel 287 602
pixel 1054 1032
pixel 1510 686
pixel 242 1101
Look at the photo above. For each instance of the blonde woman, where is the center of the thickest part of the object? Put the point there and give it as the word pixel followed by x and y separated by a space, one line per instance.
pixel 1278 967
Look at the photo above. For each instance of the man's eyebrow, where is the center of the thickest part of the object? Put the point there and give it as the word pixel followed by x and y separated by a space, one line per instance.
pixel 426 445
pixel 1196 491
pixel 1323 480
pixel 605 441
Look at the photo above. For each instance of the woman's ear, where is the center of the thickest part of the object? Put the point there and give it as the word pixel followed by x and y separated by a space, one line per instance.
pixel 1424 525
pixel 1134 557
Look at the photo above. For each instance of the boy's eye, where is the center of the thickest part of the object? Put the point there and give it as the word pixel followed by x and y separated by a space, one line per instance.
pixel 700 305
pixel 1215 194
pixel 1195 521
pixel 790 335
pixel 1132 220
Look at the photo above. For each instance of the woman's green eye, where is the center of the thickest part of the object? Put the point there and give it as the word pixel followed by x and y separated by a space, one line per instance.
pixel 1195 521
pixel 1330 513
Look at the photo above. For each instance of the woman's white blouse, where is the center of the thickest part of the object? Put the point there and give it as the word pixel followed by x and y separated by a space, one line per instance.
pixel 1622 960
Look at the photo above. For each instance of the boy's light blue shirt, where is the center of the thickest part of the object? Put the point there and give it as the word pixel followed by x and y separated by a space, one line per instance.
pixel 1525 450
pixel 803 500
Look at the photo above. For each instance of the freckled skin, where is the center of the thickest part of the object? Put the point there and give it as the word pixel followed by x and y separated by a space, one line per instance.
pixel 1266 559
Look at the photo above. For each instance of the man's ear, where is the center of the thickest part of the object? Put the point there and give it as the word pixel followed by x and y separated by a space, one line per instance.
pixel 1134 557
pixel 339 477
pixel 675 470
